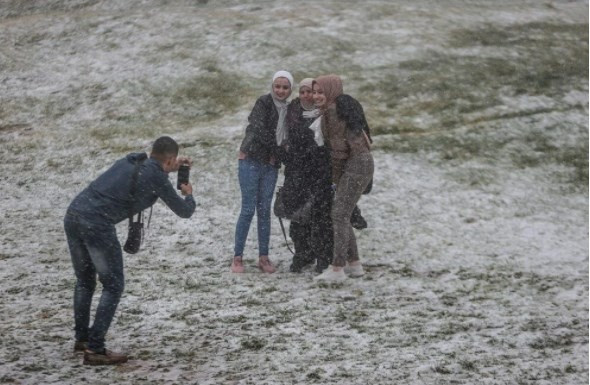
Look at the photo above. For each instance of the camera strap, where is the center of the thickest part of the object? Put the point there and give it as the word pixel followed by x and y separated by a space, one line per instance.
pixel 285 235
pixel 133 188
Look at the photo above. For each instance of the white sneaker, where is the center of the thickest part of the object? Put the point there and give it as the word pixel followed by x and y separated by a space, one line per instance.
pixel 354 271
pixel 329 275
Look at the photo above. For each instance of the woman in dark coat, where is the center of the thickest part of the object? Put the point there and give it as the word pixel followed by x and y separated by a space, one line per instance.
pixel 307 186
pixel 258 168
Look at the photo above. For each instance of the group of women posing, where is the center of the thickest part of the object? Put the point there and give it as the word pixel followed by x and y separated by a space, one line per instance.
pixel 322 137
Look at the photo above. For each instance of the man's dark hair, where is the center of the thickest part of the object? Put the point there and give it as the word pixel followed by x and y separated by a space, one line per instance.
pixel 164 147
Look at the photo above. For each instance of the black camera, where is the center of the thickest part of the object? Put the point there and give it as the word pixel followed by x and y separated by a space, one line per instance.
pixel 183 174
pixel 134 236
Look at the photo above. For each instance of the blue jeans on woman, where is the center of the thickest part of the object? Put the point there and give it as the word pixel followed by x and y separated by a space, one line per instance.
pixel 94 249
pixel 257 183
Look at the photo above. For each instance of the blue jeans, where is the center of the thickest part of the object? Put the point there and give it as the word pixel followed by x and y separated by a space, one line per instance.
pixel 94 249
pixel 257 183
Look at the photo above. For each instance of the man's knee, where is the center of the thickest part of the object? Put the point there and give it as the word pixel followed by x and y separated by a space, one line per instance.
pixel 113 282
pixel 86 282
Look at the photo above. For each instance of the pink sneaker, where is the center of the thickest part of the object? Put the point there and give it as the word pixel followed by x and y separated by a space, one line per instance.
pixel 265 265
pixel 237 266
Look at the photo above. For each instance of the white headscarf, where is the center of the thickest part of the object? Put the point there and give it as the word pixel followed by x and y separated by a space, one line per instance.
pixel 281 106
pixel 308 111
pixel 313 112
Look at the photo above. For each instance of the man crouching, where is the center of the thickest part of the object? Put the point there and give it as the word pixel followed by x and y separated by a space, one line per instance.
pixel 92 239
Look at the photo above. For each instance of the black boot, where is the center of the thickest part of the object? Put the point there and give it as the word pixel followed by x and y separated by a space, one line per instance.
pixel 356 219
pixel 321 265
pixel 299 262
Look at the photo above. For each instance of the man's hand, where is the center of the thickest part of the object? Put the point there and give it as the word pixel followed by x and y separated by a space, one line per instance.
pixel 180 161
pixel 186 189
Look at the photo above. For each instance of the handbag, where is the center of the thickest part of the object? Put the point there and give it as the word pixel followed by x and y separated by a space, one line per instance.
pixel 135 232
pixel 302 215
pixel 134 236
pixel 281 212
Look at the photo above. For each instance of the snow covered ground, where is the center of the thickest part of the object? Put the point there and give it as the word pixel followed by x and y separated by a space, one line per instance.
pixel 477 246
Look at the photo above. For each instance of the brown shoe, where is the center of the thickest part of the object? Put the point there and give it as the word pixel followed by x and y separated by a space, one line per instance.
pixel 265 265
pixel 105 358
pixel 80 346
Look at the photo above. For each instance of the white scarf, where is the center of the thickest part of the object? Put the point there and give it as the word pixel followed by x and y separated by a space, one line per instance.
pixel 311 113
pixel 316 127
pixel 281 106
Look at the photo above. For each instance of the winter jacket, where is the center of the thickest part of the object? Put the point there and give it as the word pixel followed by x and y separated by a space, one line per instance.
pixel 260 142
pixel 344 127
pixel 307 166
pixel 300 138
pixel 107 199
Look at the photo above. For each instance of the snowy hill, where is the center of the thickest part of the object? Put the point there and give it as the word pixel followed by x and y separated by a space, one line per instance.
pixel 477 246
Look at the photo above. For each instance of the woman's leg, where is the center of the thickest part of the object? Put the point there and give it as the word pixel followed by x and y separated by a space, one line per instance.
pixel 357 175
pixel 248 175
pixel 266 188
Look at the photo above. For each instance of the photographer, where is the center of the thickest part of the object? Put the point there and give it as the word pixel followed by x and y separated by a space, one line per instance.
pixel 92 239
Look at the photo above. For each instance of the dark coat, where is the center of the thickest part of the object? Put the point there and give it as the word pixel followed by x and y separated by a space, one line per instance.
pixel 260 141
pixel 307 165
pixel 107 199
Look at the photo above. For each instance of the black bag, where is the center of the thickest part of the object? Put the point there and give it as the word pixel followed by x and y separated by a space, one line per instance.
pixel 135 233
pixel 281 212
pixel 134 236
pixel 302 215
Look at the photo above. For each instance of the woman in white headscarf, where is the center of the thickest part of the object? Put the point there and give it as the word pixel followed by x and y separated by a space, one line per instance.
pixel 306 193
pixel 258 168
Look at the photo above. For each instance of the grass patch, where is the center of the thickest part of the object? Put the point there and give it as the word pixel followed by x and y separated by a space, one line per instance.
pixel 211 94
pixel 468 365
pixel 551 56
pixel 551 342
pixel 420 105
pixel 541 148
pixel 253 343
pixel 446 87
pixel 441 369
pixel 316 375
pixel 534 148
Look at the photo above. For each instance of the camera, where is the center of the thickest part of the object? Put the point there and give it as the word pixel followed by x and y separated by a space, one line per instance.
pixel 183 174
